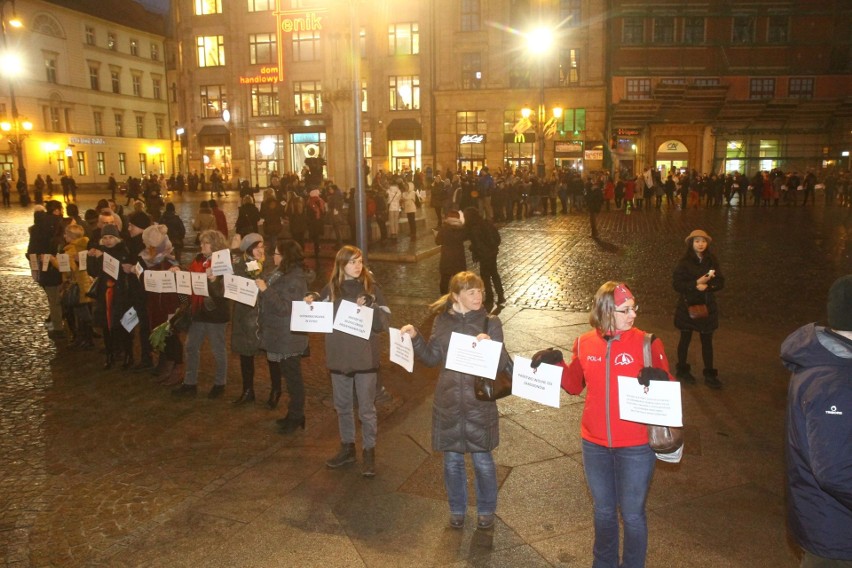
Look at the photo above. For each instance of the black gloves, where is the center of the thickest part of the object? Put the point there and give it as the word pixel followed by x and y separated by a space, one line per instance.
pixel 550 356
pixel 648 374
pixel 367 299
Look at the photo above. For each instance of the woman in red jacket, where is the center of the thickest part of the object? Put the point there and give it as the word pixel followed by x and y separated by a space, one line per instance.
pixel 617 459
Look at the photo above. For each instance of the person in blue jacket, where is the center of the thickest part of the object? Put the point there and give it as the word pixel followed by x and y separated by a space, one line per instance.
pixel 819 433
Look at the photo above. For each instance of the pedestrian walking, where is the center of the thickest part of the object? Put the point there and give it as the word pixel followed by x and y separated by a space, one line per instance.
pixel 462 424
pixel 696 278
pixel 819 433
pixel 617 460
pixel 6 189
pixel 352 361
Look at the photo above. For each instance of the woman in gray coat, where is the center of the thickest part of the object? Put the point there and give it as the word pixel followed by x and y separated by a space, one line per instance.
pixel 245 340
pixel 461 423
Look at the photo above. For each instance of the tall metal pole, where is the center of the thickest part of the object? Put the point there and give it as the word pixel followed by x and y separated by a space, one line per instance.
pixel 17 142
pixel 542 116
pixel 359 200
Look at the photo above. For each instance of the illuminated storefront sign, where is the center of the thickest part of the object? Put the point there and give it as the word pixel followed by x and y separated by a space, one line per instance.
pixel 472 139
pixel 289 21
pixel 267 74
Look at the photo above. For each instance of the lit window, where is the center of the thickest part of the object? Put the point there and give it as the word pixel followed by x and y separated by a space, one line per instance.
pixel 119 125
pixel 140 126
pixel 112 42
pixel 101 164
pixel 81 163
pixel 404 92
pixel 50 68
pixel 213 101
pixel 155 51
pixel 122 163
pixel 264 100
pixel 211 51
pixel 471 67
pixel 134 47
pixel 569 67
pixel 404 39
pixel 204 7
pixel 308 97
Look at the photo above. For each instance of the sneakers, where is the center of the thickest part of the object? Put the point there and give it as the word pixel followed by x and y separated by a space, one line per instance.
pixel 185 390
pixel 216 391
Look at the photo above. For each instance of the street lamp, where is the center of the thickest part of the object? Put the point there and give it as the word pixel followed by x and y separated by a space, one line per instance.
pixel 16 141
pixel 539 43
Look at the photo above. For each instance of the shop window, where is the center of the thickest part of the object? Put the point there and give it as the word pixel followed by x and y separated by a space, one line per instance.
pixel 801 88
pixel 742 29
pixel 573 121
pixel 761 89
pixel 778 30
pixel 204 7
pixel 210 50
pixel 471 70
pixel 769 153
pixel 569 67
pixel 638 89
pixel 633 31
pixel 308 97
pixel 264 100
pixel 262 48
pixel 471 15
pixel 143 164
pixel 306 46
pixel 693 30
pixel 404 39
pixel 404 92
pixel 664 29
pixel 213 101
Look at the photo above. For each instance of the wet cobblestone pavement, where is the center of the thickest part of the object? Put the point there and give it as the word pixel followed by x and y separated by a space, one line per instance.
pixel 100 466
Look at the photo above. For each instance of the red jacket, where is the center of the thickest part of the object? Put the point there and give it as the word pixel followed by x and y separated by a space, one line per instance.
pixel 596 364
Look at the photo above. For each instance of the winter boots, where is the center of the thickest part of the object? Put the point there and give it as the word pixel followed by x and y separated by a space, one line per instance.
pixel 711 379
pixel 345 456
pixel 684 375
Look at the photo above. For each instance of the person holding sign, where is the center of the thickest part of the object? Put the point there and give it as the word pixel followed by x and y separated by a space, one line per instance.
pixel 245 339
pixel 210 315
pixel 353 360
pixel 284 348
pixel 78 316
pixel 617 459
pixel 158 258
pixel 45 238
pixel 111 293
pixel 462 424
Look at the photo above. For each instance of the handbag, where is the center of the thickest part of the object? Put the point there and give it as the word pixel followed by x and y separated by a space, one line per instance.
pixel 92 292
pixel 698 311
pixel 488 390
pixel 70 296
pixel 666 441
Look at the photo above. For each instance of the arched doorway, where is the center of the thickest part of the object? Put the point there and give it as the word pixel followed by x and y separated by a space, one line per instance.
pixel 672 155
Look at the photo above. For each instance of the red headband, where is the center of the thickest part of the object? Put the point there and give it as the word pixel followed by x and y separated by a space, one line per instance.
pixel 621 294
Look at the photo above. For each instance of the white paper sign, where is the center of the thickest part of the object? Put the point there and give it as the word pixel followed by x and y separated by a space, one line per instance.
pixel 45 262
pixel 33 262
pixel 252 265
pixel 401 350
pixel 111 266
pixel 354 319
pixel 659 403
pixel 64 262
pixel 467 355
pixel 138 270
pixel 82 258
pixel 539 385
pixel 184 283
pixel 130 319
pixel 167 282
pixel 152 283
pixel 199 283
pixel 242 290
pixel 317 317
pixel 221 263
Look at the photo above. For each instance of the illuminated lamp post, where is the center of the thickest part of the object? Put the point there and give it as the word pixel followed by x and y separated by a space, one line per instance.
pixel 539 44
pixel 11 65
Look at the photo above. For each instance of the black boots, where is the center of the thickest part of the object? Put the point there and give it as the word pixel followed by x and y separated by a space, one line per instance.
pixel 345 456
pixel 368 468
pixel 288 424
pixel 684 375
pixel 711 379
pixel 110 359
pixel 246 396
pixel 274 395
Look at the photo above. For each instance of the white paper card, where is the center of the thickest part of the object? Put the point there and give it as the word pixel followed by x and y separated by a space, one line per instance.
pixel 317 317
pixel 221 263
pixel 184 283
pixel 659 403
pixel 167 282
pixel 152 283
pixel 199 283
pixel 401 350
pixel 33 262
pixel 354 319
pixel 45 262
pixel 64 262
pixel 130 319
pixel 111 266
pixel 467 355
pixel 138 270
pixel 82 258
pixel 242 290
pixel 252 265
pixel 539 385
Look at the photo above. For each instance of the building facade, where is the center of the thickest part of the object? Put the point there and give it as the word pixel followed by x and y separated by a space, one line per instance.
pixel 718 86
pixel 91 82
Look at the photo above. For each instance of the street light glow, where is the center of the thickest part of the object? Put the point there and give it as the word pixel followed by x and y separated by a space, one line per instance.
pixel 11 64
pixel 539 40
pixel 526 112
pixel 5 126
pixel 15 23
pixel 267 147
pixel 27 125
pixel 557 112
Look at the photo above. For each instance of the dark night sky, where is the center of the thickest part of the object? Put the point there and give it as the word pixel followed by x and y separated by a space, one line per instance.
pixel 158 6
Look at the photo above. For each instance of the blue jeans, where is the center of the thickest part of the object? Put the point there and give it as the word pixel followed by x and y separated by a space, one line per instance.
pixel 485 482
pixel 619 478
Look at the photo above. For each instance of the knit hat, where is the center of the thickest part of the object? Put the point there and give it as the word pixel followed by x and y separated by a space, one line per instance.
pixel 139 220
pixel 110 231
pixel 249 240
pixel 698 233
pixel 156 236
pixel 840 304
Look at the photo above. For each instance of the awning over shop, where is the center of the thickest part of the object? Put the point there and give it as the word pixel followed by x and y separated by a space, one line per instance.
pixel 404 129
pixel 214 135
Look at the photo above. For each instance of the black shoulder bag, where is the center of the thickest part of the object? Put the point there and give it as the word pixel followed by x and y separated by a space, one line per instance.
pixel 501 386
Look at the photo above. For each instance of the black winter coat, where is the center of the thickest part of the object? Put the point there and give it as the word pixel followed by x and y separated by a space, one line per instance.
pixel 460 422
pixel 687 271
pixel 109 308
pixel 451 237
pixel 275 307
